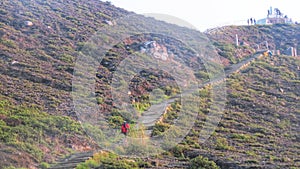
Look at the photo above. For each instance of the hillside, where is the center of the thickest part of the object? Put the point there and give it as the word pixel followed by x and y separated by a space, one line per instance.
pixel 36 76
pixel 40 41
pixel 251 38
pixel 260 126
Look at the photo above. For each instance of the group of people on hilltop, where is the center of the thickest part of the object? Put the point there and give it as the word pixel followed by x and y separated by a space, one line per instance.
pixel 251 21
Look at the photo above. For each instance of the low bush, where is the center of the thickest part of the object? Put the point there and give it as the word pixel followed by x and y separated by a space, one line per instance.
pixel 109 161
pixel 202 163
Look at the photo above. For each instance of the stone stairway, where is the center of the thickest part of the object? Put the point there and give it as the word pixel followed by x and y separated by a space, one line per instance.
pixel 150 117
pixel 72 160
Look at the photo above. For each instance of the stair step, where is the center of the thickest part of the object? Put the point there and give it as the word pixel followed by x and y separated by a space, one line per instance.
pixel 72 160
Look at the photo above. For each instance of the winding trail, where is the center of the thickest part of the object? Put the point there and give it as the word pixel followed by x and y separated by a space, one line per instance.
pixel 149 118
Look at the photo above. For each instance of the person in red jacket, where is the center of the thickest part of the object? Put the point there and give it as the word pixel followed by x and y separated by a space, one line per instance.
pixel 125 128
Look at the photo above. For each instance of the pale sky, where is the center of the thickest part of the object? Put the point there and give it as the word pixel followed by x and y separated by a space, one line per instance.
pixel 211 13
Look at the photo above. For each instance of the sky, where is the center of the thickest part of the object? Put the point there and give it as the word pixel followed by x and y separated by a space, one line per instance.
pixel 211 13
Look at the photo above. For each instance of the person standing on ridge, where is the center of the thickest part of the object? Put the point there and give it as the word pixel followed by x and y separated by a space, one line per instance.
pixel 125 128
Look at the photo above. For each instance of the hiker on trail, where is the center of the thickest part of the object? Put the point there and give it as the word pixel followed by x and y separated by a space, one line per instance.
pixel 251 21
pixel 125 128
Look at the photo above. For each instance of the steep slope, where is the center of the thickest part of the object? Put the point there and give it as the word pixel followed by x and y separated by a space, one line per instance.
pixel 39 44
pixel 260 127
pixel 43 54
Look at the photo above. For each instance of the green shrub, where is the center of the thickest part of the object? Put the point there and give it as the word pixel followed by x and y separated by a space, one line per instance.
pixel 204 76
pixel 222 144
pixel 44 165
pixel 202 163
pixel 171 90
pixel 100 100
pixel 109 161
pixel 143 164
pixel 227 51
pixel 178 151
pixel 115 121
pixel 243 137
pixel 141 106
pixel 8 43
pixel 159 128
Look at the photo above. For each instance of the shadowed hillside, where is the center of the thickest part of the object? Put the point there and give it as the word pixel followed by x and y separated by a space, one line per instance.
pixel 37 55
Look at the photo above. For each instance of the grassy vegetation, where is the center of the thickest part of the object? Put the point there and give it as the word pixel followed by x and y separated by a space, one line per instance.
pixel 203 163
pixel 167 119
pixel 37 115
pixel 279 37
pixel 112 161
pixel 28 129
pixel 261 106
pixel 12 167
pixel 227 50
